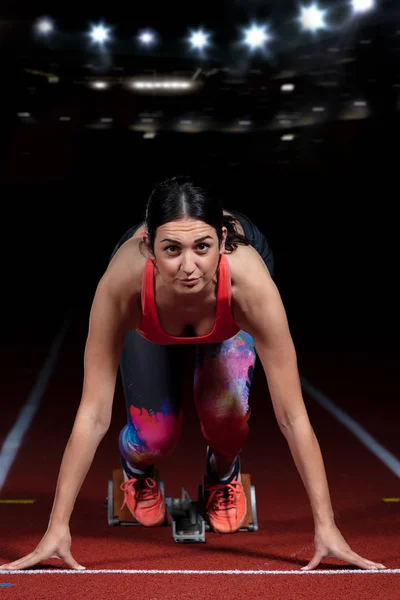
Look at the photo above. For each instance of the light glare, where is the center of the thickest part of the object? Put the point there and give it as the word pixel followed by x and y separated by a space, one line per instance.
pixel 362 5
pixel 312 18
pixel 100 34
pixel 147 37
pixel 44 26
pixel 256 36
pixel 199 39
pixel 100 85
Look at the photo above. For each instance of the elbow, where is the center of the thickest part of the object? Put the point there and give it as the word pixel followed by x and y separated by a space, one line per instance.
pixel 287 424
pixel 102 428
pixel 95 424
pixel 101 424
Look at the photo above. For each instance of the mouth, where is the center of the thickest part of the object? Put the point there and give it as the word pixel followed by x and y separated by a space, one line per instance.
pixel 189 281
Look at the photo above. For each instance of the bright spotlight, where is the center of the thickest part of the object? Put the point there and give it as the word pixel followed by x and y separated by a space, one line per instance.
pixel 147 37
pixel 199 39
pixel 100 34
pixel 44 26
pixel 287 87
pixel 256 36
pixel 99 85
pixel 360 6
pixel 312 18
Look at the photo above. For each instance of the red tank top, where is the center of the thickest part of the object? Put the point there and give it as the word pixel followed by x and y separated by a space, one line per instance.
pixel 224 325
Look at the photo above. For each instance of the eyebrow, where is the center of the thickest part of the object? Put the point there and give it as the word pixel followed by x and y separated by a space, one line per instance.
pixel 205 237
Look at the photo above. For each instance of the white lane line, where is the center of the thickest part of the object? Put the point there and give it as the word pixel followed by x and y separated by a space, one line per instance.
pixel 14 439
pixel 375 447
pixel 198 572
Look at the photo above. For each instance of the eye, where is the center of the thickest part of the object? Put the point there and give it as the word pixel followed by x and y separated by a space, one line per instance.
pixel 205 247
pixel 168 248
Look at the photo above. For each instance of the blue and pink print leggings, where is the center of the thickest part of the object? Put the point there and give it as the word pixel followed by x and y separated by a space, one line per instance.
pixel 152 382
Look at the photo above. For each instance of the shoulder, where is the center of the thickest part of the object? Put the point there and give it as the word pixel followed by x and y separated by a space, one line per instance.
pixel 255 298
pixel 119 289
pixel 247 269
pixel 128 262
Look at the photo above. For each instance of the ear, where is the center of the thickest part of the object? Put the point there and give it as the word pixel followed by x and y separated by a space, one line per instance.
pixel 224 236
pixel 147 246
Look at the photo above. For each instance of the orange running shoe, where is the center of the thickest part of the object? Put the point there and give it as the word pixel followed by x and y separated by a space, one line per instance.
pixel 225 500
pixel 226 505
pixel 144 500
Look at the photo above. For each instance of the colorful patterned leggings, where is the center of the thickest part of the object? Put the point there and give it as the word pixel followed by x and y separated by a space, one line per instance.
pixel 223 374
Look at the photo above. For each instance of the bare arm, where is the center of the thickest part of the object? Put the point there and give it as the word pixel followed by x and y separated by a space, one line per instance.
pixel 259 310
pixel 262 314
pixel 113 308
pixel 101 359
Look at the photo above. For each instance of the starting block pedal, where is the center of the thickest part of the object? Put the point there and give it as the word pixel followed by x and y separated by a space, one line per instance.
pixel 186 517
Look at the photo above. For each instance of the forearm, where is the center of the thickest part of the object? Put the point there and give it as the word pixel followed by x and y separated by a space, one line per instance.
pixel 78 457
pixel 307 456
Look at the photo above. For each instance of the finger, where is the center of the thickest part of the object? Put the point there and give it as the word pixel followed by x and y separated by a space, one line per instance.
pixel 21 563
pixel 33 559
pixel 314 562
pixel 363 563
pixel 368 564
pixel 353 558
pixel 71 562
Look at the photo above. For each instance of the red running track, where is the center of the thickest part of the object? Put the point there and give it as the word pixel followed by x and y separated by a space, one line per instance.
pixel 364 386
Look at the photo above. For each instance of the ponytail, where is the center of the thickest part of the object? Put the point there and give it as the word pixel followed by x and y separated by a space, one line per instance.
pixel 233 238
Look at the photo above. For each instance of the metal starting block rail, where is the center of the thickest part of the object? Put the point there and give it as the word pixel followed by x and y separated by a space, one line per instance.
pixel 186 518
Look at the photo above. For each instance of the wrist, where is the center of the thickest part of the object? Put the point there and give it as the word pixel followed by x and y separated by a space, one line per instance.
pixel 323 517
pixel 324 525
pixel 58 523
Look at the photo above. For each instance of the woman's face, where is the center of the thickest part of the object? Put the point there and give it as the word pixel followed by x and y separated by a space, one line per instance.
pixel 187 253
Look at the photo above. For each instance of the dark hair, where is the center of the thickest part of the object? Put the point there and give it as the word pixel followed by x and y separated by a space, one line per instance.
pixel 179 198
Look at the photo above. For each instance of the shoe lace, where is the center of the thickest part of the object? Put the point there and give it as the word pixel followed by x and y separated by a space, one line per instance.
pixel 223 495
pixel 144 488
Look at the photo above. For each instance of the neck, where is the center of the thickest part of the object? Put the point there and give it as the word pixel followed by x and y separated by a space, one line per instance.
pixel 185 302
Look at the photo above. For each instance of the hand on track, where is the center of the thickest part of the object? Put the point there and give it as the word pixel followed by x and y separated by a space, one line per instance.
pixel 329 541
pixel 56 543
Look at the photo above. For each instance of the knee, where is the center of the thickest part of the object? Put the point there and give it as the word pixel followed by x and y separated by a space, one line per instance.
pixel 226 435
pixel 145 443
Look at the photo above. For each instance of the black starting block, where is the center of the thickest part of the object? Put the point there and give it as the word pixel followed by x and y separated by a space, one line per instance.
pixel 186 517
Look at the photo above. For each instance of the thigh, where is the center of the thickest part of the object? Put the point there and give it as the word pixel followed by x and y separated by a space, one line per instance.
pixel 151 376
pixel 223 375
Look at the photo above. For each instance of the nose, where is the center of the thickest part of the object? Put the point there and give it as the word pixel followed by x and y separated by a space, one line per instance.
pixel 187 264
